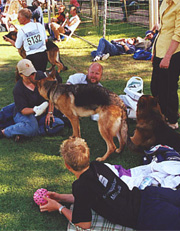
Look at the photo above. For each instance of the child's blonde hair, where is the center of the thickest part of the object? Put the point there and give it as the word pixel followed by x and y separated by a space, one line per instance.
pixel 76 153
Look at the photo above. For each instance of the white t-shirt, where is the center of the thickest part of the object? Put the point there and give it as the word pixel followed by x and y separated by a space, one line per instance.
pixel 78 78
pixel 41 20
pixel 32 37
pixel 72 27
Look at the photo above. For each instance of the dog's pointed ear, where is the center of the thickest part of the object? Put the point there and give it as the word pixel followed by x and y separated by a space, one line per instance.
pixel 154 101
pixel 52 74
pixel 142 102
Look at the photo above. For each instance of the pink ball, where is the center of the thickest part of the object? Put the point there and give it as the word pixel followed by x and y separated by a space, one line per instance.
pixel 38 196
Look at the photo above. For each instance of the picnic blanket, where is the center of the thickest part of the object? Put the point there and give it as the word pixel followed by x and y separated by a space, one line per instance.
pixel 99 224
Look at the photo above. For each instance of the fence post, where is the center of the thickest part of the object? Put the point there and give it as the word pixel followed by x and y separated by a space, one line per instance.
pixel 94 5
pixel 156 12
pixel 105 18
pixel 151 14
pixel 53 8
pixel 49 11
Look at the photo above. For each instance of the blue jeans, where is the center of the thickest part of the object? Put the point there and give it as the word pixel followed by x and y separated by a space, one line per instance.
pixel 29 126
pixel 105 47
pixel 160 209
pixel 6 116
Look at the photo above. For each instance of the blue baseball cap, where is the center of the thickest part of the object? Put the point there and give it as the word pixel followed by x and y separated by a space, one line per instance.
pixel 148 32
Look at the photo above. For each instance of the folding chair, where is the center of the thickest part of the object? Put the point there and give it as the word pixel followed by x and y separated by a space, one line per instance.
pixel 72 32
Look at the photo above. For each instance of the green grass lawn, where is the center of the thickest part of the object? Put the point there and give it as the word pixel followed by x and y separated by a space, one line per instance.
pixel 35 162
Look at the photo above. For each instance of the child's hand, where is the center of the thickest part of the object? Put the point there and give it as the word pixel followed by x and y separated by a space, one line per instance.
pixel 51 206
pixel 53 195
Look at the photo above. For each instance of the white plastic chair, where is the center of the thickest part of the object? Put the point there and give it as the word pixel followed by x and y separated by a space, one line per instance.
pixel 72 32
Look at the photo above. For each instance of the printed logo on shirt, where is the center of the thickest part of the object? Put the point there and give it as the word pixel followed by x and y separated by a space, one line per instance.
pixel 114 190
pixel 103 180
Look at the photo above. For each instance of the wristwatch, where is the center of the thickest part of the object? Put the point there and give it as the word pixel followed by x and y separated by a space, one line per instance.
pixel 60 209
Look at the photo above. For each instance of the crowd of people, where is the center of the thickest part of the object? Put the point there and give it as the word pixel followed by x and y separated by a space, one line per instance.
pixel 96 186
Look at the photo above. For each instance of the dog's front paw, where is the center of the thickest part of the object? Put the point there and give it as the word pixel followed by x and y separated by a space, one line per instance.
pixel 118 150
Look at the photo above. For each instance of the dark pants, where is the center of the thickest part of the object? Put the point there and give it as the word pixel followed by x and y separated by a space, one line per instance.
pixel 39 60
pixel 160 209
pixel 164 86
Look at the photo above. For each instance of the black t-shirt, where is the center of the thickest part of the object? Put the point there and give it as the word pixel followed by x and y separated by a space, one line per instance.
pixel 24 97
pixel 101 190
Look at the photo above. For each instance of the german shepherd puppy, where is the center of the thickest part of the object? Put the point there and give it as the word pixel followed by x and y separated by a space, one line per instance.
pixel 82 100
pixel 52 52
pixel 151 128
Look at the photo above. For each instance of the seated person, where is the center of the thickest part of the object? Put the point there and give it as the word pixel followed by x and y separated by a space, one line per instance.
pixel 2 5
pixel 151 34
pixel 97 187
pixel 30 119
pixel 76 4
pixel 69 26
pixel 5 21
pixel 58 20
pixel 115 47
pixel 93 77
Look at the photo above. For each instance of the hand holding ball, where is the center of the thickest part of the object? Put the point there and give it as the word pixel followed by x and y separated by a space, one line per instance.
pixel 38 196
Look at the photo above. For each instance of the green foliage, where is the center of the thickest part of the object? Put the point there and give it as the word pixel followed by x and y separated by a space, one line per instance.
pixel 35 162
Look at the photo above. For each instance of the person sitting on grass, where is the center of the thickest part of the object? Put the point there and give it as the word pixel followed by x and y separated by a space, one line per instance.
pixel 30 116
pixel 97 187
pixel 151 34
pixel 115 47
pixel 71 23
pixel 94 76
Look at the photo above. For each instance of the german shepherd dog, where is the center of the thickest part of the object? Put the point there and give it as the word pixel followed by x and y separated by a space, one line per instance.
pixel 82 100
pixel 52 52
pixel 151 128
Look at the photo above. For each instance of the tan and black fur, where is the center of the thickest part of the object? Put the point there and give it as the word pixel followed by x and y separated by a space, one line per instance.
pixel 52 52
pixel 82 100
pixel 151 128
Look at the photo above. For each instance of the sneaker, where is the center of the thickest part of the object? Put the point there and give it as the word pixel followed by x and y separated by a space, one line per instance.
pixel 173 126
pixel 105 56
pixel 96 58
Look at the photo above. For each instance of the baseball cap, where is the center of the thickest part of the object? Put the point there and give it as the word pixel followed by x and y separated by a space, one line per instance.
pixel 25 67
pixel 148 32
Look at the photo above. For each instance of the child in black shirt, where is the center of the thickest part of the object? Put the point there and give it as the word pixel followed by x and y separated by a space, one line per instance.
pixel 97 187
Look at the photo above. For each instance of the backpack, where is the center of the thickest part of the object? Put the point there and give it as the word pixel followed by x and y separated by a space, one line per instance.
pixel 142 55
